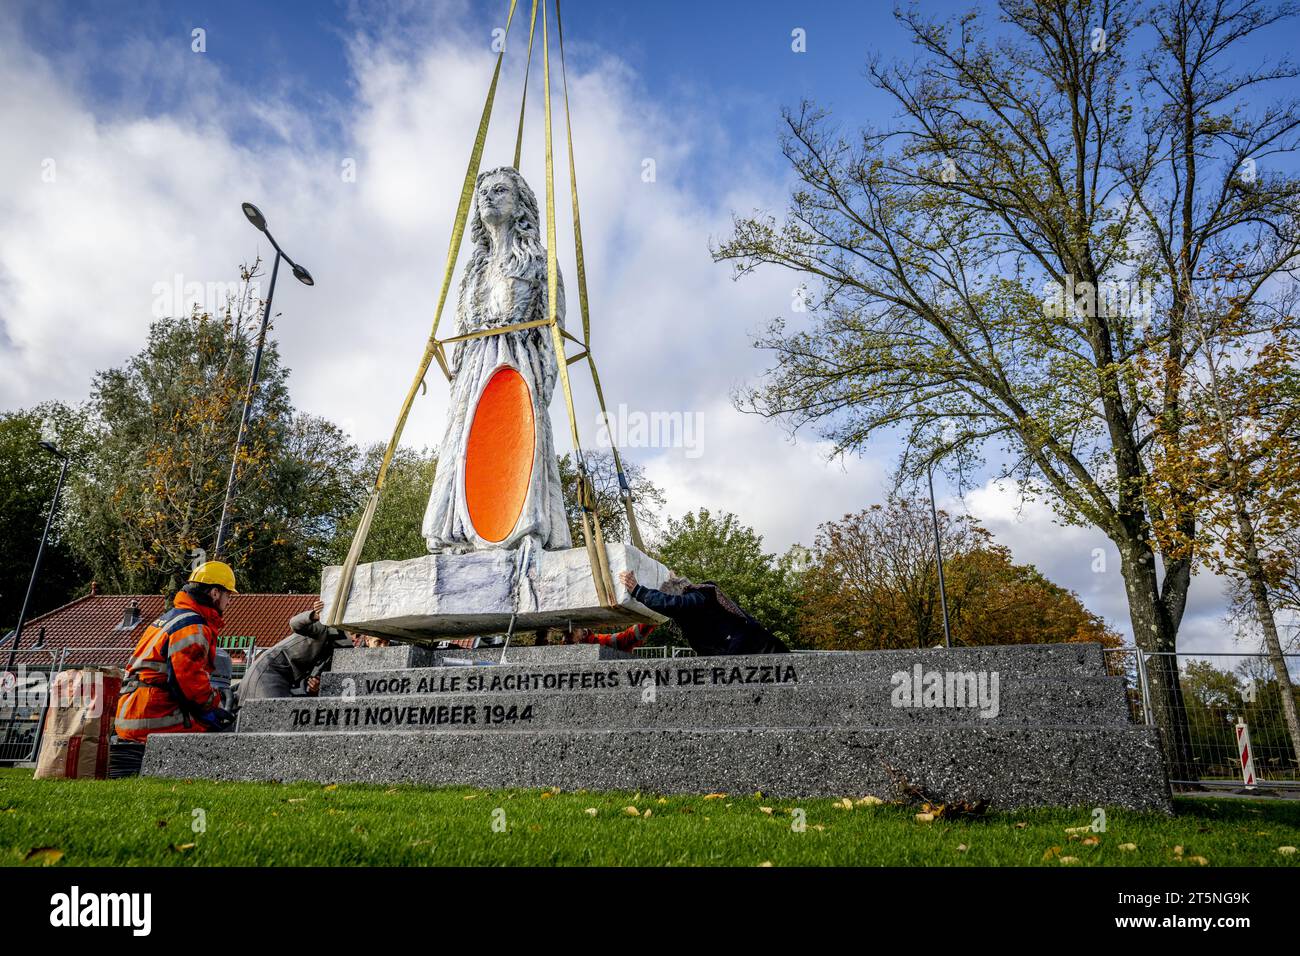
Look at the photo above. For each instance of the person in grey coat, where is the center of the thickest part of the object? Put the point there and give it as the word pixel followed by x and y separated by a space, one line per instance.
pixel 303 654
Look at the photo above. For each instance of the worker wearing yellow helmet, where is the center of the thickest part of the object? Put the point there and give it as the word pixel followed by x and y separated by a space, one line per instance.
pixel 168 688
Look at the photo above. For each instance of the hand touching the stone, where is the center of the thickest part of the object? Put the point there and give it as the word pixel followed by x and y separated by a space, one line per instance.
pixel 628 580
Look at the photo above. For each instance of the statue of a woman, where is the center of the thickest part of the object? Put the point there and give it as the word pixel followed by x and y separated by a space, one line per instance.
pixel 497 483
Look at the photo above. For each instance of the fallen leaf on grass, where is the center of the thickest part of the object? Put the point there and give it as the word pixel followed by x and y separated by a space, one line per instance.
pixel 647 813
pixel 1178 851
pixel 1021 826
pixel 715 796
pixel 470 796
pixel 1051 851
pixel 1128 847
pixel 870 801
pixel 1286 850
pixel 391 790
pixel 962 848
pixel 958 808
pixel 590 811
pixel 1091 841
pixel 297 800
pixel 182 847
pixel 845 804
pixel 546 794
pixel 924 817
pixel 1199 860
pixel 767 810
pixel 1067 860
pixel 766 863
pixel 1077 829
pixel 632 811
pixel 44 855
pixel 331 786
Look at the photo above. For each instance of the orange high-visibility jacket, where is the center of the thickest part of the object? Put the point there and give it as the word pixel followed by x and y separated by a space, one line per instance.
pixel 185 637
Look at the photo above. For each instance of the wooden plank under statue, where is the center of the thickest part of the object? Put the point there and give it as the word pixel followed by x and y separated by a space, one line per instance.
pixel 496 525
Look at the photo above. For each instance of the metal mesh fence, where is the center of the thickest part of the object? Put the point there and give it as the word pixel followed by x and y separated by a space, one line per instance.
pixel 25 693
pixel 1222 694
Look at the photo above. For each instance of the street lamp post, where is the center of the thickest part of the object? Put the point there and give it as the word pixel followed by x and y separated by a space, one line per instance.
pixel 254 216
pixel 938 557
pixel 49 446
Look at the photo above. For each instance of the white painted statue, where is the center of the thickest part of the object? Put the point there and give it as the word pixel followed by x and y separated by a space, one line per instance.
pixel 497 484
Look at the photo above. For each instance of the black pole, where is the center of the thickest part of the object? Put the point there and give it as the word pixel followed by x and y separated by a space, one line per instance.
pixel 223 529
pixel 31 585
pixel 938 557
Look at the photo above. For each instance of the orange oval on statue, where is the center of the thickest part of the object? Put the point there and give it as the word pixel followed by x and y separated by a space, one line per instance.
pixel 499 455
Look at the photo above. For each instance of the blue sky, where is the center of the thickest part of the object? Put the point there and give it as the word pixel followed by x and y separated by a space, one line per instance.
pixel 155 146
pixel 735 56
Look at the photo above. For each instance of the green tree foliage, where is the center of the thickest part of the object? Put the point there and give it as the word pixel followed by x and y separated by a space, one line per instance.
pixel 395 533
pixel 157 447
pixel 704 546
pixel 647 497
pixel 312 490
pixel 1217 698
pixel 28 475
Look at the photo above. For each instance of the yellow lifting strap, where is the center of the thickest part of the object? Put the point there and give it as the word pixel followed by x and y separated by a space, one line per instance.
pixel 625 489
pixel 523 100
pixel 431 350
pixel 590 518
pixel 593 536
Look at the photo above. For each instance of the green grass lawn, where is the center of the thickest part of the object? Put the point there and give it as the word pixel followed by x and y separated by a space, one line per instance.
pixel 151 822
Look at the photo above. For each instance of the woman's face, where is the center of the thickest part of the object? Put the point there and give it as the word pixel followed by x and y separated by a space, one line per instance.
pixel 496 200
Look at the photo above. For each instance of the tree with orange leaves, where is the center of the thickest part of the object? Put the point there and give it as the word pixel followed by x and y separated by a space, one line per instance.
pixel 1238 446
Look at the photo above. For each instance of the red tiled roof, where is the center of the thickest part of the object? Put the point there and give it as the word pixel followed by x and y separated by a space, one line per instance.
pixel 91 625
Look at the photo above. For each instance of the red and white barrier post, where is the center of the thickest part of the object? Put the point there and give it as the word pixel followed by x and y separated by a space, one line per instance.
pixel 1245 754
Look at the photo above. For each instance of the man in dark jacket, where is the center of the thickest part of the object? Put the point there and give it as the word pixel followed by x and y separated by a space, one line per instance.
pixel 303 654
pixel 712 623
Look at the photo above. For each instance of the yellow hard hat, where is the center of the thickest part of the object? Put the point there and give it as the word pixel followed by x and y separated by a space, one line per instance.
pixel 215 572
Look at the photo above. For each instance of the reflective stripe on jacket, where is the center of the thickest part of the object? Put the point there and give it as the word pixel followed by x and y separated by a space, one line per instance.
pixel 184 637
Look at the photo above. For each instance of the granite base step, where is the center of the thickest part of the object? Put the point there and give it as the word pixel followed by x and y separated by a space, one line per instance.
pixel 1010 766
pixel 1082 700
pixel 555 672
